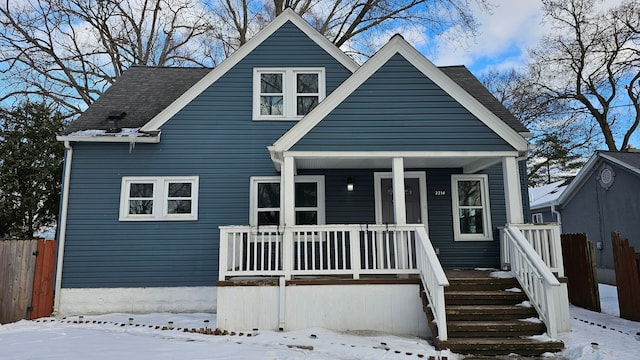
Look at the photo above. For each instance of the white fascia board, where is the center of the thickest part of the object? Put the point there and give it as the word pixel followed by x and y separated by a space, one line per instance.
pixel 241 53
pixel 578 181
pixel 397 44
pixel 111 139
pixel 392 154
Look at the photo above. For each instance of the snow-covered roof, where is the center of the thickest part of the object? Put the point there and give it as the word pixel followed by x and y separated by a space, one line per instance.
pixel 545 195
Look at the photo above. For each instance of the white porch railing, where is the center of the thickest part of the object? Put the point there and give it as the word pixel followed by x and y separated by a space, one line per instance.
pixel 433 279
pixel 545 240
pixel 317 250
pixel 545 292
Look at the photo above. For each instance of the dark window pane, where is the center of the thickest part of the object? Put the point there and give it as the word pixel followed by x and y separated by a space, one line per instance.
pixel 179 189
pixel 469 193
pixel 269 218
pixel 137 207
pixel 306 104
pixel 141 190
pixel 268 195
pixel 306 194
pixel 471 221
pixel 271 105
pixel 179 206
pixel 306 217
pixel 271 83
pixel 307 83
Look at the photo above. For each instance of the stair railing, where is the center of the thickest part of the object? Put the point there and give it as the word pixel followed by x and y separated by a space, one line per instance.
pixel 433 279
pixel 547 295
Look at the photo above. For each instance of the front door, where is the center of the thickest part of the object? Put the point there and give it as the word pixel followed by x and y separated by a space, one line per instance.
pixel 415 198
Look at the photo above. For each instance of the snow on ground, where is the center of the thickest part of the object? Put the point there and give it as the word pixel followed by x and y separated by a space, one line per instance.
pixel 594 336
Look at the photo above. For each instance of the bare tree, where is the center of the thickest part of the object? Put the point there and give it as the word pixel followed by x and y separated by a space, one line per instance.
pixel 72 50
pixel 350 24
pixel 591 65
pixel 559 134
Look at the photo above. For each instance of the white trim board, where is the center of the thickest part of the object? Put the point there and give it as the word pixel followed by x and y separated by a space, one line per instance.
pixel 215 74
pixel 397 45
pixel 137 300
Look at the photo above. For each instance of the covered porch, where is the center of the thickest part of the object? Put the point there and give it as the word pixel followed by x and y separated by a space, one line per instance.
pixel 289 275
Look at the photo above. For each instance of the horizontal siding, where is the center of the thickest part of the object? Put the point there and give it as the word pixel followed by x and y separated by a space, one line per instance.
pixel 463 254
pixel 396 109
pixel 213 138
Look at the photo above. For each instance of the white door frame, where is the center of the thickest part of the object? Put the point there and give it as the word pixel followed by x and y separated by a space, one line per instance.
pixel 422 179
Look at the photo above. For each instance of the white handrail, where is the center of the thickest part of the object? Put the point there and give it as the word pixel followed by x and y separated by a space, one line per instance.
pixel 433 279
pixel 545 240
pixel 545 292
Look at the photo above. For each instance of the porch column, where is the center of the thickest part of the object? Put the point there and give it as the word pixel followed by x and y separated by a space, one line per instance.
pixel 398 191
pixel 287 198
pixel 512 190
pixel 287 213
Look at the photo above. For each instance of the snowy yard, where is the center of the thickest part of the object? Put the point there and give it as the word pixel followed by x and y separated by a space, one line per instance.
pixel 594 336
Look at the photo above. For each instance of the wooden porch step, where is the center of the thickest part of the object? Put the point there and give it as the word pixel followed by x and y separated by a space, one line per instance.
pixel 500 346
pixel 499 328
pixel 497 297
pixel 488 312
pixel 482 284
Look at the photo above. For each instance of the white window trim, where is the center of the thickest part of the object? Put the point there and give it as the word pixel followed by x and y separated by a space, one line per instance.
pixel 160 198
pixel 537 216
pixel 486 209
pixel 289 91
pixel 253 198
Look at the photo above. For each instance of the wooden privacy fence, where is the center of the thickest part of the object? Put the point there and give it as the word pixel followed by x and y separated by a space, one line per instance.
pixel 580 269
pixel 26 279
pixel 625 261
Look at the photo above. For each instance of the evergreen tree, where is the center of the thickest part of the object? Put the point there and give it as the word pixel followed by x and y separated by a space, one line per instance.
pixel 30 168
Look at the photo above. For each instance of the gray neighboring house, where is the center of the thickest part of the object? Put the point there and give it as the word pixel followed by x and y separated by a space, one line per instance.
pixel 604 197
pixel 542 201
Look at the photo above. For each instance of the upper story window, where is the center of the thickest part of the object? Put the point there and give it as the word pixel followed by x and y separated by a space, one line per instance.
pixel 537 218
pixel 155 198
pixel 286 94
pixel 471 213
pixel 308 203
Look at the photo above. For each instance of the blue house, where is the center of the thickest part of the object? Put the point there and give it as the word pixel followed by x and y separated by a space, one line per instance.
pixel 290 187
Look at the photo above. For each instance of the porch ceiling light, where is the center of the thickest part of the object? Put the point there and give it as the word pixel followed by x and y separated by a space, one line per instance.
pixel 349 183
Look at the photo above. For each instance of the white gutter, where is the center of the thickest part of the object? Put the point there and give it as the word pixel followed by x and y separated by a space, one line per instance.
pixel 62 231
pixel 554 211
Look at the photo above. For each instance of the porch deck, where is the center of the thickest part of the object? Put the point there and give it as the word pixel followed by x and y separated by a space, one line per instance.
pixel 285 265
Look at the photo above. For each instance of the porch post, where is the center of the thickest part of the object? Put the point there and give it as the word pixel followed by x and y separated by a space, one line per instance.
pixel 287 215
pixel 398 191
pixel 287 180
pixel 512 190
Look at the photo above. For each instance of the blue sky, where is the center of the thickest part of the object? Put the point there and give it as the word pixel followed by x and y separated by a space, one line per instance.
pixel 504 37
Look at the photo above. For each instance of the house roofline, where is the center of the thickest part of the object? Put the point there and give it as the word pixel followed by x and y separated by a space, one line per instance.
pixel 288 15
pixel 585 172
pixel 154 139
pixel 398 45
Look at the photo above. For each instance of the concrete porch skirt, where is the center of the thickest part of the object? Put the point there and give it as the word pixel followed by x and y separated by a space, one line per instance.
pixel 387 306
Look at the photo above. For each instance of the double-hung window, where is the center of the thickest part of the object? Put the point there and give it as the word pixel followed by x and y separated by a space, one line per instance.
pixel 265 201
pixel 471 213
pixel 159 198
pixel 286 93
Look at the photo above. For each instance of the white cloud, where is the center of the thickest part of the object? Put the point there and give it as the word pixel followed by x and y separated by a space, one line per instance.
pixel 504 35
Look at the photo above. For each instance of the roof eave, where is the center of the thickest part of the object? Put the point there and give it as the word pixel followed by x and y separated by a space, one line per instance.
pixel 154 139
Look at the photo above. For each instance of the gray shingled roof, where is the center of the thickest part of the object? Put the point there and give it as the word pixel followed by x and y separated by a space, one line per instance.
pixel 143 92
pixel 630 158
pixel 465 79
